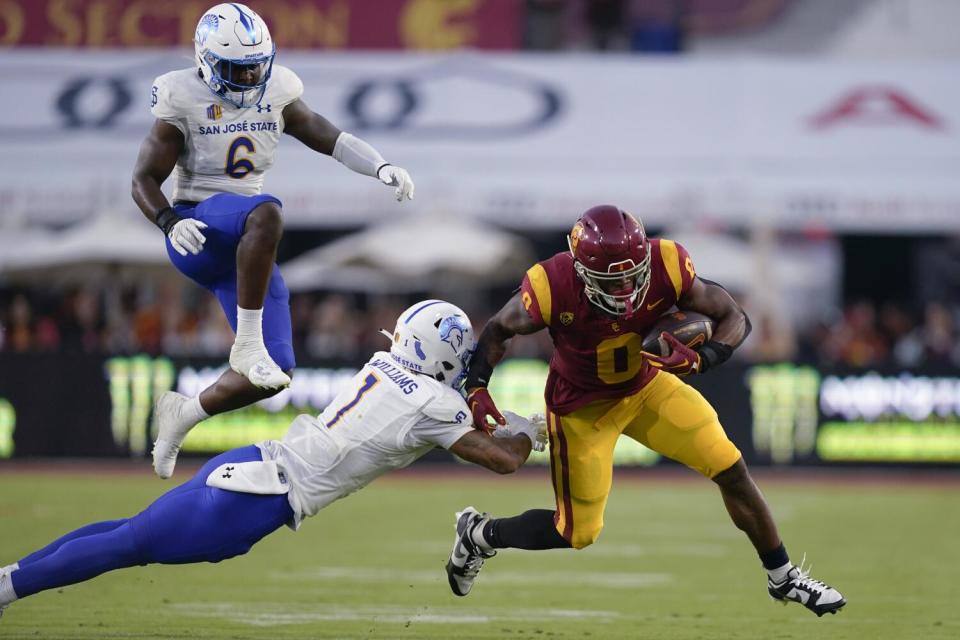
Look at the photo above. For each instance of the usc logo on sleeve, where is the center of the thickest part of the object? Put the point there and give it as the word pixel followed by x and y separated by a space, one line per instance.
pixel 527 300
pixel 688 265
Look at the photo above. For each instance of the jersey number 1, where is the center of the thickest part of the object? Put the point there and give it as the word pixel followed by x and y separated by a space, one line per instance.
pixel 368 383
pixel 239 167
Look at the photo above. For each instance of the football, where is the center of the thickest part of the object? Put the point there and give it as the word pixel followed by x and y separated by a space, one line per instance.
pixel 691 328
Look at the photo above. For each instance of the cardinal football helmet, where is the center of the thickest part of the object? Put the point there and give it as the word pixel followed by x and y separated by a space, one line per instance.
pixel 235 53
pixel 435 338
pixel 611 255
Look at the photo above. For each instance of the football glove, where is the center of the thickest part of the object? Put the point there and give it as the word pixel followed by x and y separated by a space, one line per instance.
pixel 186 236
pixel 482 406
pixel 535 431
pixel 399 178
pixel 682 360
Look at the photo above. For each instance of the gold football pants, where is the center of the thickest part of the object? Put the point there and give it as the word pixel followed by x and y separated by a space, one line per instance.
pixel 666 415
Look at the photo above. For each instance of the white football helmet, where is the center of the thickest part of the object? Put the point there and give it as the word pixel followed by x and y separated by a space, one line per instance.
pixel 235 53
pixel 435 338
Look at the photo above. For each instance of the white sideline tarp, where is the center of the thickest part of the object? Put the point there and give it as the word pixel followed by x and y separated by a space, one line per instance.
pixel 531 140
pixel 412 254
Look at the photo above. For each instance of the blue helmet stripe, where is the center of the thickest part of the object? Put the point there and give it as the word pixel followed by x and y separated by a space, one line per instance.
pixel 421 308
pixel 247 23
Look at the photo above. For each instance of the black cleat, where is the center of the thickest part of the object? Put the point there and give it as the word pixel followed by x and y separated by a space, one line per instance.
pixel 467 558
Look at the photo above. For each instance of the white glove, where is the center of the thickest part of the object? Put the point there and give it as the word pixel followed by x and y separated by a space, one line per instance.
pixel 185 236
pixel 399 178
pixel 535 430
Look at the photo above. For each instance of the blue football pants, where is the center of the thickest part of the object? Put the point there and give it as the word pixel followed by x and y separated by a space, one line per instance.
pixel 189 523
pixel 215 268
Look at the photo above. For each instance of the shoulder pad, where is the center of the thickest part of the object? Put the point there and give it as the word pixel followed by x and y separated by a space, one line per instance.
pixel 163 104
pixel 285 86
pixel 447 405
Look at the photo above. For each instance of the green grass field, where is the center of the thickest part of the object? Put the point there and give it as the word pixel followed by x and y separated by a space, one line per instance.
pixel 668 565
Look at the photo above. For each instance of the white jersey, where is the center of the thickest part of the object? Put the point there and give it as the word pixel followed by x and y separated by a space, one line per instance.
pixel 227 149
pixel 384 420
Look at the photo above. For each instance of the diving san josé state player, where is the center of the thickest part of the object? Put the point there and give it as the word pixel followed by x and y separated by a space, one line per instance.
pixel 218 124
pixel 402 404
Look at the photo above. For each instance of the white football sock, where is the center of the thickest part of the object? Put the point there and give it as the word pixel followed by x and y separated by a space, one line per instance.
pixel 779 574
pixel 7 594
pixel 193 411
pixel 476 534
pixel 249 327
pixel 10 568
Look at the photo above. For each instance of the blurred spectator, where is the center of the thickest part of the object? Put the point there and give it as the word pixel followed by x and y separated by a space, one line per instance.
pixel 545 25
pixel 175 319
pixel 606 24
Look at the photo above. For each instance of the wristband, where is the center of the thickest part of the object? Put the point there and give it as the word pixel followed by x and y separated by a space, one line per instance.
pixel 480 372
pixel 166 218
pixel 712 354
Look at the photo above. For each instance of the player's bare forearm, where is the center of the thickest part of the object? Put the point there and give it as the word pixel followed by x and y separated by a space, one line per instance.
pixel 502 455
pixel 511 320
pixel 155 162
pixel 310 128
pixel 712 300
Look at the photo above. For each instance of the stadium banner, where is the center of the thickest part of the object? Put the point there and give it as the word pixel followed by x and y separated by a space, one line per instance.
pixel 529 140
pixel 777 414
pixel 297 24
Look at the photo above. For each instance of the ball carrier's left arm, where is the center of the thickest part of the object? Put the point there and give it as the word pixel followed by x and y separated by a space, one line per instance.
pixel 732 328
pixel 733 325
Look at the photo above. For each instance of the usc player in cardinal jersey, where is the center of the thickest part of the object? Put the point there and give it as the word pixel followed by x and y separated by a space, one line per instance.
pixel 599 300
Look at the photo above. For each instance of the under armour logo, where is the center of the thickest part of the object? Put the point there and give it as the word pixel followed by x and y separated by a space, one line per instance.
pixel 261 108
pixel 227 472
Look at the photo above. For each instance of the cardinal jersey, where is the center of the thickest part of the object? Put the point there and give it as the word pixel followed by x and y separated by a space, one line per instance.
pixel 386 418
pixel 227 149
pixel 597 356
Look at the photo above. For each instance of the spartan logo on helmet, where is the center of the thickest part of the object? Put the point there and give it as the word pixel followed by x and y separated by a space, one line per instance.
pixel 451 331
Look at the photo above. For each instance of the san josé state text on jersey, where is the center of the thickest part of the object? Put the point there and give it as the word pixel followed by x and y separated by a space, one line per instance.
pixel 226 149
pixel 236 127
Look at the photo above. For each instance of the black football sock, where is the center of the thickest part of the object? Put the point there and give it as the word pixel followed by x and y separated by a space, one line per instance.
pixel 777 563
pixel 532 530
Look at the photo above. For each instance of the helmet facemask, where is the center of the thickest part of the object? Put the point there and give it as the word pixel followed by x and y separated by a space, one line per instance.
pixel 621 290
pixel 227 76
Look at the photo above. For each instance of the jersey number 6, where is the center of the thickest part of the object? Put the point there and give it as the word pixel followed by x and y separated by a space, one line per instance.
pixel 239 167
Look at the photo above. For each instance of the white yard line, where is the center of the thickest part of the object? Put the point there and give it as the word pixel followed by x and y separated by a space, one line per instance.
pixel 269 614
pixel 609 579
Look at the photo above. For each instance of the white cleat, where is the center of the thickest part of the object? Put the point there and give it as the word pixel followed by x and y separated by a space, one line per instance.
pixel 172 429
pixel 799 587
pixel 4 579
pixel 258 367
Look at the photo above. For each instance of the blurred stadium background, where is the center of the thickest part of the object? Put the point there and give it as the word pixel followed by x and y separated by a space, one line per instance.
pixel 806 152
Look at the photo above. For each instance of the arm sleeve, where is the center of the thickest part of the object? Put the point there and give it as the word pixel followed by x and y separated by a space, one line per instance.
pixel 357 155
pixel 162 105
pixel 536 295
